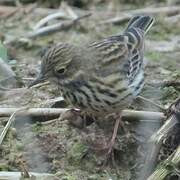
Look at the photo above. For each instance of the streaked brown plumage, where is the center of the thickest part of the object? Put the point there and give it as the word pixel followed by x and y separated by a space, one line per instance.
pixel 102 77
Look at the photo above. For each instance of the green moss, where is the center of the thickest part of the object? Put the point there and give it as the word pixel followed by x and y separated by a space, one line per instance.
pixel 19 146
pixel 4 167
pixel 36 127
pixel 169 94
pixel 76 153
pixel 155 56
pixel 161 31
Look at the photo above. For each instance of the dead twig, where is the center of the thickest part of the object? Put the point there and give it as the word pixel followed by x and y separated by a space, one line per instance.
pixel 128 115
pixel 151 102
pixel 56 27
pixel 17 175
pixel 50 17
pixel 33 111
pixel 131 115
pixel 174 83
pixel 126 15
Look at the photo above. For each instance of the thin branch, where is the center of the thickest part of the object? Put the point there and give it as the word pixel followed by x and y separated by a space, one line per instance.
pixel 128 115
pixel 173 83
pixel 55 27
pixel 126 15
pixel 17 175
pixel 131 115
pixel 50 17
pixel 151 102
pixel 33 111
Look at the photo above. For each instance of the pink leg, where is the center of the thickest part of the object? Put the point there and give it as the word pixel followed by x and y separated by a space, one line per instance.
pixel 116 126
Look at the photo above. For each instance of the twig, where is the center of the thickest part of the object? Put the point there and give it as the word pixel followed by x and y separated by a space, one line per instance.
pixel 45 20
pixel 41 84
pixel 126 15
pixel 33 111
pixel 17 175
pixel 50 102
pixel 174 83
pixel 151 102
pixel 69 10
pixel 129 115
pixel 55 27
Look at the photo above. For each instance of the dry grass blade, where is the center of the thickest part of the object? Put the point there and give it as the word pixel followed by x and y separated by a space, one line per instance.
pixel 6 128
pixel 169 166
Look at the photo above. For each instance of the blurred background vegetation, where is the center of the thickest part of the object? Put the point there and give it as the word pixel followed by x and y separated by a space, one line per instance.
pixel 87 3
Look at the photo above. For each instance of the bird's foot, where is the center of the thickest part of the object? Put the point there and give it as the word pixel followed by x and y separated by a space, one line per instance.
pixel 76 118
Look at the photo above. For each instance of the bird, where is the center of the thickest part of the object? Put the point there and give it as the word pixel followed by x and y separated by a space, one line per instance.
pixel 100 77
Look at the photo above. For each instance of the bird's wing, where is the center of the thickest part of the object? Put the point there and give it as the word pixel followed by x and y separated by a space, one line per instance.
pixel 110 54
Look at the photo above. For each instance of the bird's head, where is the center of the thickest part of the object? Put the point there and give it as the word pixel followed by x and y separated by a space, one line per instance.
pixel 57 64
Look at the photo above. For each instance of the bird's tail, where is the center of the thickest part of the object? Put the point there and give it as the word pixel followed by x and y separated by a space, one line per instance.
pixel 143 23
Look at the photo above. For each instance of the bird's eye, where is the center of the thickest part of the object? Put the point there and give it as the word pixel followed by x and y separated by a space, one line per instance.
pixel 61 71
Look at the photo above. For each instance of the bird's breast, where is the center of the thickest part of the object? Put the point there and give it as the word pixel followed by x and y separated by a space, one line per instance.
pixel 96 97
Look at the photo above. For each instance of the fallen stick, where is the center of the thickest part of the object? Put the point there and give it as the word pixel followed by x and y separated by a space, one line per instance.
pixel 55 27
pixel 130 115
pixel 33 111
pixel 126 15
pixel 4 175
pixel 45 20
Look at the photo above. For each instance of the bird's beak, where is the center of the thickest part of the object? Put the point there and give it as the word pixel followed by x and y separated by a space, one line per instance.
pixel 38 80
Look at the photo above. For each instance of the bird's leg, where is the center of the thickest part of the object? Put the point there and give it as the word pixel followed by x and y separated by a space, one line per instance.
pixel 116 126
pixel 77 118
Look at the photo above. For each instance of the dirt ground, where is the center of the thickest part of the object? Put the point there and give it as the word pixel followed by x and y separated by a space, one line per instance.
pixel 58 147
